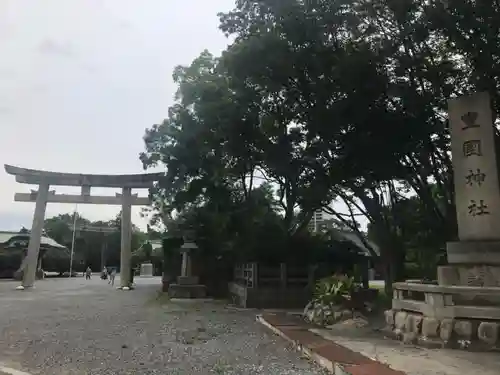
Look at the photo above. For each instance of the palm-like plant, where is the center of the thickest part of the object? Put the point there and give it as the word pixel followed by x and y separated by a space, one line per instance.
pixel 334 290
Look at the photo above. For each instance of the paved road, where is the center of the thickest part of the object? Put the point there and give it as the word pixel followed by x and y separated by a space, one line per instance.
pixel 76 327
pixel 377 284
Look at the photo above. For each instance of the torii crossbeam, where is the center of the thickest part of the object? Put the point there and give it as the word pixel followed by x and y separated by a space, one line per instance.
pixel 45 179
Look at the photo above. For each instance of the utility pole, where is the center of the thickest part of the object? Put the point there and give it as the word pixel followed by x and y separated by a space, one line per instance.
pixel 73 241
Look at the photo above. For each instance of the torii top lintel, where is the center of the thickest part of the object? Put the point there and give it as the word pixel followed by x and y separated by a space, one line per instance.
pixel 36 177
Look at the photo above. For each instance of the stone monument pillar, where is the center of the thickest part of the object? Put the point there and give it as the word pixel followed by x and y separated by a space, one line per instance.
pixel 463 310
pixel 475 258
pixel 146 270
pixel 187 285
pixel 186 276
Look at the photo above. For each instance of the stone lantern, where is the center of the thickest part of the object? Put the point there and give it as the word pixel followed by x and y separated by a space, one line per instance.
pixel 187 285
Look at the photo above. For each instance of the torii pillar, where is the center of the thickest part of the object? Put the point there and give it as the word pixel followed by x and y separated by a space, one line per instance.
pixel 29 273
pixel 126 238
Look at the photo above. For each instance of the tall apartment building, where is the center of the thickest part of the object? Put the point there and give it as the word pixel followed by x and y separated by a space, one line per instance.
pixel 318 221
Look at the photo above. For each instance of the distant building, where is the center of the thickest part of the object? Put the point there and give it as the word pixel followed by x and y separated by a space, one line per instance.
pixel 320 221
pixel 14 246
pixel 10 239
pixel 323 222
pixel 364 245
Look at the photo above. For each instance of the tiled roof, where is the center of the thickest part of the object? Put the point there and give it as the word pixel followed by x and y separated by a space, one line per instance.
pixel 5 236
pixel 354 239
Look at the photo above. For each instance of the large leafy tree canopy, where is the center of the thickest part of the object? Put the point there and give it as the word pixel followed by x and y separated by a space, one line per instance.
pixel 330 100
pixel 88 244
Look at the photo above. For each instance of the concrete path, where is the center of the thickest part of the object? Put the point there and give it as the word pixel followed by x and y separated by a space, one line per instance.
pixel 415 360
pixel 77 327
pixel 358 348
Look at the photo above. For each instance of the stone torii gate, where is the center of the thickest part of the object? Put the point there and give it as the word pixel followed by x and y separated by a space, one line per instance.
pixel 45 179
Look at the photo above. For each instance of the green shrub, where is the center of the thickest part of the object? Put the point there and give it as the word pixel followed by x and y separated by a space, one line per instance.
pixel 56 260
pixel 332 300
pixel 334 290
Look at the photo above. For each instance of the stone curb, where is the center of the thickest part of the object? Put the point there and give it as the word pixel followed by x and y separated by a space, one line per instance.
pixel 318 352
pixel 323 362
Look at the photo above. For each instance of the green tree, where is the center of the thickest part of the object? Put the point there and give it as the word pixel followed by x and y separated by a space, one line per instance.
pixel 327 100
pixel 88 244
pixel 60 227
pixel 362 79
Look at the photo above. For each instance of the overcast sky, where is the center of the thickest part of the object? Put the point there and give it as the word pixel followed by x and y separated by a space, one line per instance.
pixel 80 80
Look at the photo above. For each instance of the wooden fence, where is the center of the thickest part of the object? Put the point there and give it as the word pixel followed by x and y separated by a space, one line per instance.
pixel 281 286
pixel 253 275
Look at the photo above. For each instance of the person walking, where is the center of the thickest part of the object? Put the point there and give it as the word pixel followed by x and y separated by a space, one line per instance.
pixel 88 273
pixel 112 276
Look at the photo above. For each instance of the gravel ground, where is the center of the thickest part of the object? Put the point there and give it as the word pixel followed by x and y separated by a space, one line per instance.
pixel 73 326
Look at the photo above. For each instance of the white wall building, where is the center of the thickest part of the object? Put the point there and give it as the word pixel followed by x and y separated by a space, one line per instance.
pixel 318 220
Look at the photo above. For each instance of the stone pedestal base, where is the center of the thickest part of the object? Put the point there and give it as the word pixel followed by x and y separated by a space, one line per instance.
pixel 146 270
pixel 187 291
pixel 461 317
pixel 473 252
pixel 431 332
pixel 188 280
pixel 469 275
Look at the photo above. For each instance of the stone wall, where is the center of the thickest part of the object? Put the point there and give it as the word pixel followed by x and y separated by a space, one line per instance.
pixel 443 316
pixel 459 333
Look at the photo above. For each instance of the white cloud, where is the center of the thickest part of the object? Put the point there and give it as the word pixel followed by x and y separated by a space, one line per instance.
pixel 80 80
pixel 52 47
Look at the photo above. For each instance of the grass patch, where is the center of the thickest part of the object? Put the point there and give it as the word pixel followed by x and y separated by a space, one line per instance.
pixel 377 286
